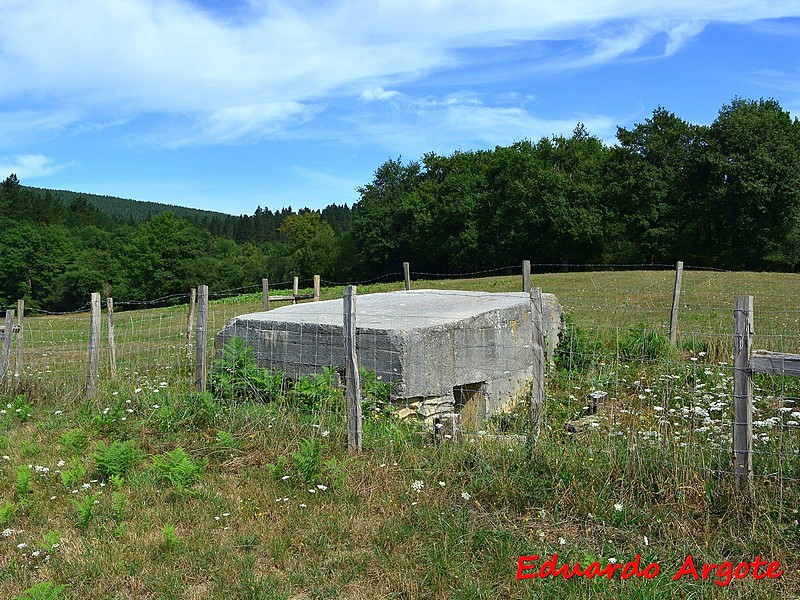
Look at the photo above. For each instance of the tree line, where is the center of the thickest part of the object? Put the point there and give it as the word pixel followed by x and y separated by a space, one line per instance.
pixel 55 250
pixel 725 195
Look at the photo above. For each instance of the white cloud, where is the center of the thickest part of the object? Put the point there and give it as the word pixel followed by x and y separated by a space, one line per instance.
pixel 378 93
pixel 230 125
pixel 31 166
pixel 680 34
pixel 419 125
pixel 273 63
pixel 16 124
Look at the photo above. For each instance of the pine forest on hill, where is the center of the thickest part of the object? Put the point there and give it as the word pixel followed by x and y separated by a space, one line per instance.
pixel 725 195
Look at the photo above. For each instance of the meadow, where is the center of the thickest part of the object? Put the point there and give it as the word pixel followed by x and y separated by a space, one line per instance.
pixel 151 490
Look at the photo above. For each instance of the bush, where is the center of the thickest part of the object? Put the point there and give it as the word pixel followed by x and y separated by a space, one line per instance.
pixel 310 392
pixel 235 375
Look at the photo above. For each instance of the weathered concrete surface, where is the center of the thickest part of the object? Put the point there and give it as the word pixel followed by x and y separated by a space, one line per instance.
pixel 443 351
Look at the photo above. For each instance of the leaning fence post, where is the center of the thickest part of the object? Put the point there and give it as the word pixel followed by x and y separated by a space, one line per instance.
pixel 112 345
pixel 7 332
pixel 537 383
pixel 676 300
pixel 200 338
pixel 352 376
pixel 21 336
pixel 526 276
pixel 94 346
pixel 407 275
pixel 742 392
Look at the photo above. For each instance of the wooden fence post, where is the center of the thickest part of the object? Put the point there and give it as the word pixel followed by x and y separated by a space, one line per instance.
pixel 316 288
pixel 676 300
pixel 352 375
pixel 742 392
pixel 8 331
pixel 21 336
pixel 94 346
pixel 407 275
pixel 190 321
pixel 112 345
pixel 295 287
pixel 537 384
pixel 526 276
pixel 265 294
pixel 200 338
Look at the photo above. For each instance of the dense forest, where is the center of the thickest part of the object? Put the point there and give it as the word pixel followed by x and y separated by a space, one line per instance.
pixel 725 195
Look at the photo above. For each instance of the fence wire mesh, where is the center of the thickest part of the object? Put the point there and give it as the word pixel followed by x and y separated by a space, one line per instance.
pixel 614 382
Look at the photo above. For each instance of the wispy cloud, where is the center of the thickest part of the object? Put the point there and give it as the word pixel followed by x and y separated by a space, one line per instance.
pixel 418 125
pixel 31 166
pixel 229 125
pixel 26 123
pixel 678 35
pixel 378 93
pixel 218 78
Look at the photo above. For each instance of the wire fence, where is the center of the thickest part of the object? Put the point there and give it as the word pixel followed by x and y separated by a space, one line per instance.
pixel 613 380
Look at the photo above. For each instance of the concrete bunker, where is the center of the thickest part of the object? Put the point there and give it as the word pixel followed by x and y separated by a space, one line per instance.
pixel 443 351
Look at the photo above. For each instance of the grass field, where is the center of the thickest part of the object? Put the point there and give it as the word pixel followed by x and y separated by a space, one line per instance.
pixel 152 491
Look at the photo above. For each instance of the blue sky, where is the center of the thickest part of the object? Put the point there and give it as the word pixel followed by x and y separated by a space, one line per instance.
pixel 231 104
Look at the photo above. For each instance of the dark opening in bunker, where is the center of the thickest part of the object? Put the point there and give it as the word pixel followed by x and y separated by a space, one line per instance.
pixel 470 402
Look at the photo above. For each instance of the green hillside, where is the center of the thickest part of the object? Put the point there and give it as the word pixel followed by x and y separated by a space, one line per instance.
pixel 126 210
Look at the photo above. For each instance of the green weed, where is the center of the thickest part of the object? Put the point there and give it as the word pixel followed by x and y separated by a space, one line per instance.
pixel 74 441
pixel 307 460
pixel 51 541
pixel 44 590
pixel 178 469
pixel 171 541
pixel 22 486
pixel 235 375
pixel 577 349
pixel 7 510
pixel 84 509
pixel 19 408
pixel 225 440
pixel 644 344
pixel 118 501
pixel 310 393
pixel 75 474
pixel 30 449
pixel 116 458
